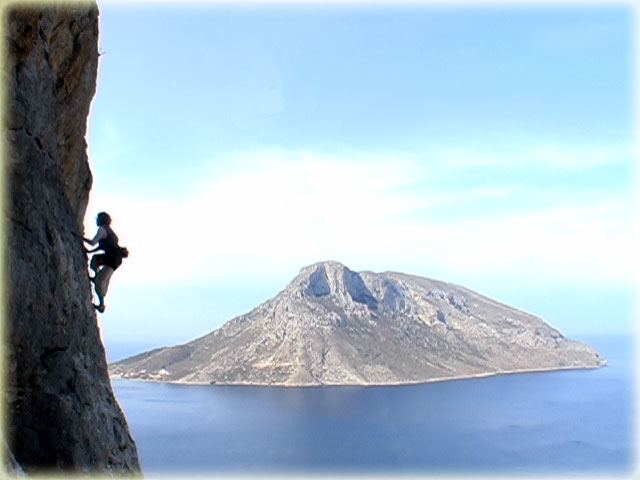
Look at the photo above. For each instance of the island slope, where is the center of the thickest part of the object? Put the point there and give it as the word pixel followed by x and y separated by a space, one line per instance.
pixel 333 326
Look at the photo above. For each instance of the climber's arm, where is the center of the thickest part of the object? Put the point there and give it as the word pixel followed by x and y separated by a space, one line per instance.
pixel 100 234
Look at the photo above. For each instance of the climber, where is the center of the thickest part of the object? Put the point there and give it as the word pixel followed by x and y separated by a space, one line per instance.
pixel 104 264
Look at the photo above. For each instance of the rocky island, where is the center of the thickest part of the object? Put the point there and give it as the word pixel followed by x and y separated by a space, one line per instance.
pixel 334 326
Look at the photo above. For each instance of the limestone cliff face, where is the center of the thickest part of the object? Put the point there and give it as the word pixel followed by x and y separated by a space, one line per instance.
pixel 61 408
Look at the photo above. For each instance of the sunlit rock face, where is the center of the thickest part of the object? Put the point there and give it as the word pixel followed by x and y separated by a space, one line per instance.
pixel 333 326
pixel 62 414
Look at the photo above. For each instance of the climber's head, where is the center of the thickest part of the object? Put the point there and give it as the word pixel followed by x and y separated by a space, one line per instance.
pixel 103 218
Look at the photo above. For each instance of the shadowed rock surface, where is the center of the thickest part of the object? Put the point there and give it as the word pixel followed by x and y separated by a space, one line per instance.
pixel 62 414
pixel 333 326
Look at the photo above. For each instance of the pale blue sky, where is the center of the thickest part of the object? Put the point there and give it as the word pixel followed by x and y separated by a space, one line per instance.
pixel 489 146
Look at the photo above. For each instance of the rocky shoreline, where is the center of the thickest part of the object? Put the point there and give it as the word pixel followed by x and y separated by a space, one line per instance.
pixel 397 384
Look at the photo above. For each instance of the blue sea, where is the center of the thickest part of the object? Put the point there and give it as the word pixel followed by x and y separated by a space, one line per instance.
pixel 566 422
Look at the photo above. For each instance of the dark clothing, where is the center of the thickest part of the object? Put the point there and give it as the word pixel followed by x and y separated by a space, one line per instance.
pixel 112 256
pixel 98 260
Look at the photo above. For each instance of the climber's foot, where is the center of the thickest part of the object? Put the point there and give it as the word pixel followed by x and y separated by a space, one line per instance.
pixel 100 308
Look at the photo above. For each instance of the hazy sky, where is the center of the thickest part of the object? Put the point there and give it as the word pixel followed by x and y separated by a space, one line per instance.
pixel 489 146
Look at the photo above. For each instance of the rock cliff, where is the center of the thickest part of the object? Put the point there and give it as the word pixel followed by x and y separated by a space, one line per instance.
pixel 62 413
pixel 333 326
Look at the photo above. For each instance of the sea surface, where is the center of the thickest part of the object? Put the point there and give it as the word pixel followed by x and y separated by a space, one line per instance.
pixel 567 422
